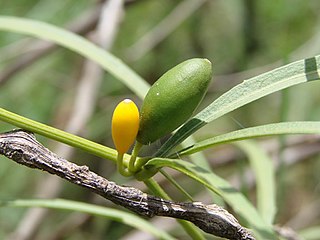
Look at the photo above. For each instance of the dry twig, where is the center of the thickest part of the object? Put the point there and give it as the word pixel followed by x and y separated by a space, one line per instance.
pixel 23 148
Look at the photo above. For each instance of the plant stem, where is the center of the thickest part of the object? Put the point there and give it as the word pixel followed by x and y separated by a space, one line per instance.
pixel 177 185
pixel 281 178
pixel 193 231
pixel 135 152
pixel 121 169
pixel 59 135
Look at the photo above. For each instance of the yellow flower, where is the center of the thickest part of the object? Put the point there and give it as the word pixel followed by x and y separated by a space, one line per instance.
pixel 125 125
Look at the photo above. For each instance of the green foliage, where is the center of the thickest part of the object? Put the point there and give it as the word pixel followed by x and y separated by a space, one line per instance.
pixel 246 92
pixel 240 39
pixel 254 132
pixel 114 214
pixel 218 185
pixel 78 44
pixel 264 172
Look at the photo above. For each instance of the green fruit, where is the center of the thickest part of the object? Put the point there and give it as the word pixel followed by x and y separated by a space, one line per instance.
pixel 173 98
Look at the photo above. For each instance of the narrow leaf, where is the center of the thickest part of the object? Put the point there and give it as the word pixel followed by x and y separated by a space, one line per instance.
pixel 263 169
pixel 254 132
pixel 248 91
pixel 114 214
pixel 218 185
pixel 80 45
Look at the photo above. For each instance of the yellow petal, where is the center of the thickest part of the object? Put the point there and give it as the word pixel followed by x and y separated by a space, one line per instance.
pixel 125 125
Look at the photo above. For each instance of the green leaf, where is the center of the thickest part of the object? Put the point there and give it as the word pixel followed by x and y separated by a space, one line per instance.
pixel 198 158
pixel 218 185
pixel 248 91
pixel 80 45
pixel 114 214
pixel 253 132
pixel 263 169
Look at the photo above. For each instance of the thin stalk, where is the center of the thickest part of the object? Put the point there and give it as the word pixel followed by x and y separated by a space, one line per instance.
pixel 121 169
pixel 176 184
pixel 59 135
pixel 131 166
pixel 284 112
pixel 156 189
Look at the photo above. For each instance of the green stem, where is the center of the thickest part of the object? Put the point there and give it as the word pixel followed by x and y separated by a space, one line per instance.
pixel 123 171
pixel 281 178
pixel 59 135
pixel 140 162
pixel 131 166
pixel 155 188
pixel 176 184
pixel 192 230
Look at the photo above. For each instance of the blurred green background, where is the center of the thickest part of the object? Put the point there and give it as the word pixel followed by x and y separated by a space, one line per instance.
pixel 242 38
